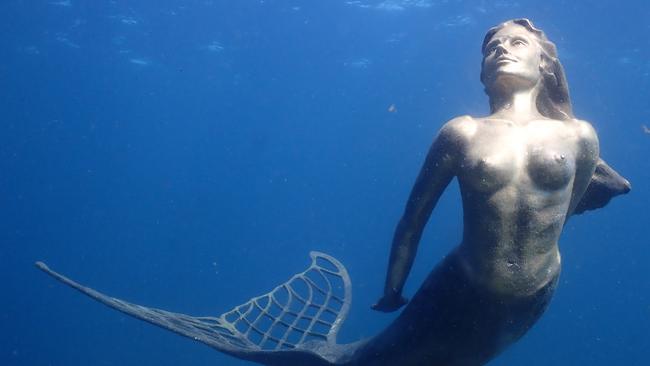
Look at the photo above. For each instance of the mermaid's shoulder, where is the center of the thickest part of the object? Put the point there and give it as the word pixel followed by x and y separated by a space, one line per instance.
pixel 459 130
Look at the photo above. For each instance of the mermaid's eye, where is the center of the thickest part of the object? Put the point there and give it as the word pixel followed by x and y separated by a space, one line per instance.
pixel 519 42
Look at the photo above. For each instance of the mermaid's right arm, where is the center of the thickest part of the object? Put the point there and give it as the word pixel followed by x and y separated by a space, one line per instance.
pixel 438 170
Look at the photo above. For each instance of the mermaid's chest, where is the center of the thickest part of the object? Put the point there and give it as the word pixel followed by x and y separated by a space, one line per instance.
pixel 492 165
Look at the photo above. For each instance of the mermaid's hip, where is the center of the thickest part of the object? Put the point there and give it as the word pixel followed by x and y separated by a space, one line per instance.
pixel 453 321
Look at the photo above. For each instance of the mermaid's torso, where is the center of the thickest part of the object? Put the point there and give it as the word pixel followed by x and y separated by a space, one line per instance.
pixel 516 182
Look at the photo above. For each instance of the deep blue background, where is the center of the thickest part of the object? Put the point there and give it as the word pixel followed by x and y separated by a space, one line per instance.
pixel 189 154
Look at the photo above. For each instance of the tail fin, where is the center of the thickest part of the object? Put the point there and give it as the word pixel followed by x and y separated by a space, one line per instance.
pixel 298 320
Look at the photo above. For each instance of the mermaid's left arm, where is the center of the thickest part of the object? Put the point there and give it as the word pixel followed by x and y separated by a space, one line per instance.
pixel 604 185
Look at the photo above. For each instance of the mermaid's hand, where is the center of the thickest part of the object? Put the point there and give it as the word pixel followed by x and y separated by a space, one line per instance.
pixel 390 302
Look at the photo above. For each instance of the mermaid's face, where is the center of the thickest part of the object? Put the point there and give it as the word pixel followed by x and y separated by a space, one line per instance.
pixel 513 55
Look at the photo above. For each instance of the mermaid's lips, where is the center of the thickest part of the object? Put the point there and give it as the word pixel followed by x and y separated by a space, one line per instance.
pixel 504 60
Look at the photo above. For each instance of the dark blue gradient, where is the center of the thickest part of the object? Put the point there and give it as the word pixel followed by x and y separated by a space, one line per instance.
pixel 188 155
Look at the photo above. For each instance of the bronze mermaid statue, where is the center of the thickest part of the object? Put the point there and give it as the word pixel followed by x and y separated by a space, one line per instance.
pixel 522 171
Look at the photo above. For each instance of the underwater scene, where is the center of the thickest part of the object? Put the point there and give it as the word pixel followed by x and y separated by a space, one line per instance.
pixel 190 155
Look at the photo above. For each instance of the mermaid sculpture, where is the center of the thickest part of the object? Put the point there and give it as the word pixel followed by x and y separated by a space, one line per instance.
pixel 523 171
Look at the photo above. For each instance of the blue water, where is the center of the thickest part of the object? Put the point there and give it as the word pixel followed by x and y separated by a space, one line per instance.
pixel 188 155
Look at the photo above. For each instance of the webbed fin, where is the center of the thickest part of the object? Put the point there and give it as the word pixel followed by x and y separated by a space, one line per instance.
pixel 294 324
